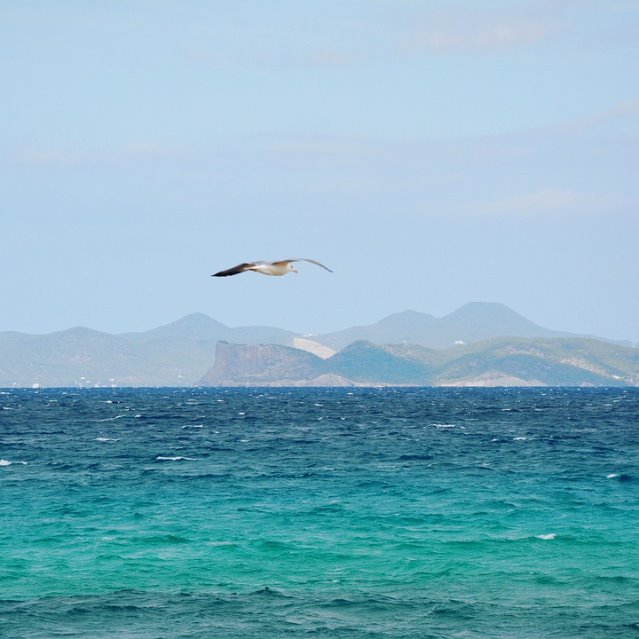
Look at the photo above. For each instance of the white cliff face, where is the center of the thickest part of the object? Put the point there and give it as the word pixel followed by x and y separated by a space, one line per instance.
pixel 311 346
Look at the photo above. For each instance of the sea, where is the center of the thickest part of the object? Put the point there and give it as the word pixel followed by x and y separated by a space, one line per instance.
pixel 354 513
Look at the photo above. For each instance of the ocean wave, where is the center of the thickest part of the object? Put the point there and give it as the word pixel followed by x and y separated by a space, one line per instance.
pixel 6 462
pixel 267 591
pixel 621 477
pixel 415 457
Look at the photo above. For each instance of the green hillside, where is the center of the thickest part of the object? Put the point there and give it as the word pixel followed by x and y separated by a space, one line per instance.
pixel 545 361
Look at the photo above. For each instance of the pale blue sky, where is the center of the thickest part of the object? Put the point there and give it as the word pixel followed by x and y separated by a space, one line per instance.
pixel 432 153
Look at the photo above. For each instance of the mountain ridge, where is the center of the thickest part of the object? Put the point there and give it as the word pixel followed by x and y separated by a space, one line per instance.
pixel 474 321
pixel 181 353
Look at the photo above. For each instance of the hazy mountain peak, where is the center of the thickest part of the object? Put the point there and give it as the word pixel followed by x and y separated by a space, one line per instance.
pixel 192 326
pixel 197 320
pixel 470 323
pixel 77 332
pixel 482 320
pixel 406 318
pixel 488 310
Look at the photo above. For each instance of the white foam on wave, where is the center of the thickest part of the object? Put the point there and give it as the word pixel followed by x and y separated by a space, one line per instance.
pixel 193 426
pixel 178 458
pixel 443 425
pixel 106 439
pixel 547 537
pixel 6 462
pixel 520 439
pixel 612 475
pixel 110 419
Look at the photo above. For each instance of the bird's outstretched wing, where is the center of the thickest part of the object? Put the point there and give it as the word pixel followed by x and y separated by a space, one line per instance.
pixel 240 268
pixel 306 259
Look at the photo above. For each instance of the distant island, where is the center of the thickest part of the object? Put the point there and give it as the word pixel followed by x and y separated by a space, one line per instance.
pixel 480 344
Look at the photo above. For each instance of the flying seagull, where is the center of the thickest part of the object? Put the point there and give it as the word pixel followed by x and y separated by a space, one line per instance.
pixel 267 268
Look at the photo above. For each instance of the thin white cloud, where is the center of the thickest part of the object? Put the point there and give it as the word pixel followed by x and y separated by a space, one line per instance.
pixel 464 37
pixel 476 29
pixel 351 38
pixel 271 57
pixel 82 157
pixel 551 201
pixel 621 111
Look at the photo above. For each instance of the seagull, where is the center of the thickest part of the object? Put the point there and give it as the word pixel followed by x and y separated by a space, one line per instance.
pixel 267 268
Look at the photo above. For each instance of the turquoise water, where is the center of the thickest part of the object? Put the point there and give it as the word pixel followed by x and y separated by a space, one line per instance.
pixel 326 513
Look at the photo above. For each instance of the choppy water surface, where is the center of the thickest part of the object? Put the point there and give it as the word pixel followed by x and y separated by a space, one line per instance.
pixel 328 513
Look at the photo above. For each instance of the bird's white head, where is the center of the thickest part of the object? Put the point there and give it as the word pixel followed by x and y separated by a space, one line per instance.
pixel 292 268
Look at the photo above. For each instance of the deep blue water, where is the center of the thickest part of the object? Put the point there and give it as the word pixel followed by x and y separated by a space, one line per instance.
pixel 173 513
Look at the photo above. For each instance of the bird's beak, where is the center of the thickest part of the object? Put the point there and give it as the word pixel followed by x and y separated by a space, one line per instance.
pixel 295 270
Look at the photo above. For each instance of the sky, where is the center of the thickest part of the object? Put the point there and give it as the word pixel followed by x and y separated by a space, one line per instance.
pixel 432 153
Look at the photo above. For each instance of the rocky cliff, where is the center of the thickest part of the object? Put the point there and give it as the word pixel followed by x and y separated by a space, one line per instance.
pixel 267 365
